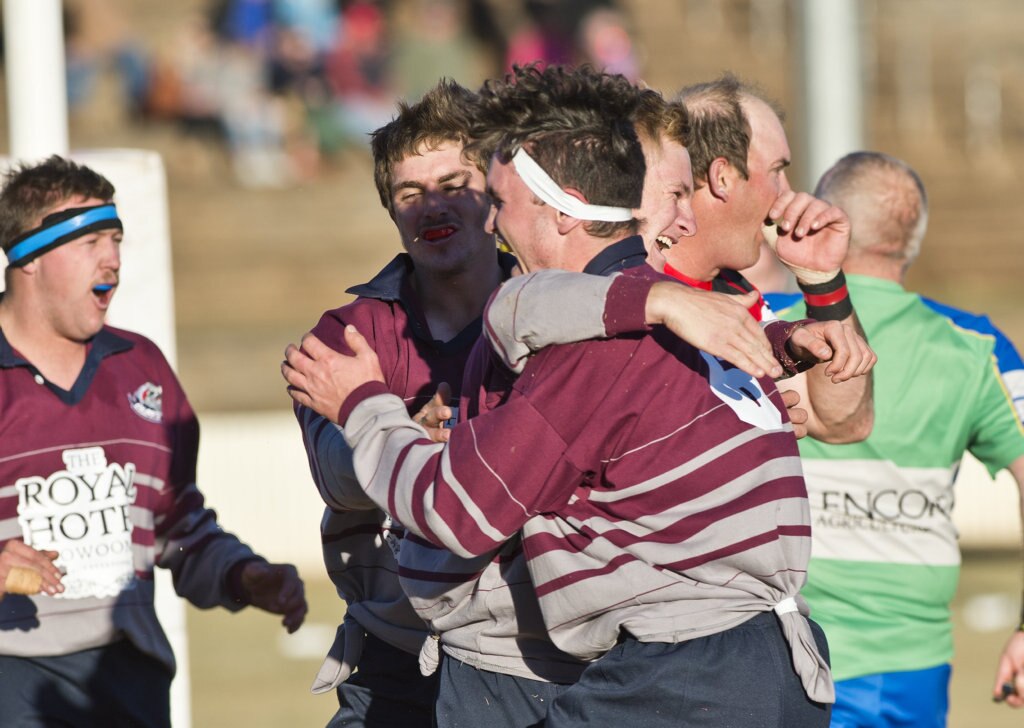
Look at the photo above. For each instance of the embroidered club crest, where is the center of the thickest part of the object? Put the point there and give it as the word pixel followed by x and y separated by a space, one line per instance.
pixel 145 402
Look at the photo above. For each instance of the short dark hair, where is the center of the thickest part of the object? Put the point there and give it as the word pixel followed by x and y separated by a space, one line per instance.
pixel 577 124
pixel 444 114
pixel 32 190
pixel 719 126
pixel 655 117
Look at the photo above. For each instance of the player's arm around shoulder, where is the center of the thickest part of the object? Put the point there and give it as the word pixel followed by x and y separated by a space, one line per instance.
pixel 529 312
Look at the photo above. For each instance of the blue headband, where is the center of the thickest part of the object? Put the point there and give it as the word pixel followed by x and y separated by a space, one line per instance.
pixel 59 228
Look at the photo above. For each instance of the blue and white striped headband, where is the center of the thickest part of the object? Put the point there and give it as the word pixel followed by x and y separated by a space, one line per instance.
pixel 549 191
pixel 59 228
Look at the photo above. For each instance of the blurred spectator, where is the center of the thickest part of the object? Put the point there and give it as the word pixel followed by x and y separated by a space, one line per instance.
pixel 573 32
pixel 315 21
pixel 358 71
pixel 544 33
pixel 248 22
pixel 97 37
pixel 605 43
pixel 432 40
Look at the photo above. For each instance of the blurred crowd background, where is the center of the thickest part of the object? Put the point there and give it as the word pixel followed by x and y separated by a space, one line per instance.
pixel 261 110
pixel 287 85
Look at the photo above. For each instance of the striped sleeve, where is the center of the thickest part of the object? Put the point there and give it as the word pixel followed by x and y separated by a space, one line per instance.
pixel 468 495
pixel 518 319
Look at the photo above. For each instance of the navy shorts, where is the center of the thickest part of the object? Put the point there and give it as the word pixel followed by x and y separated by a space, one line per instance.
pixel 114 686
pixel 386 691
pixel 742 677
pixel 472 698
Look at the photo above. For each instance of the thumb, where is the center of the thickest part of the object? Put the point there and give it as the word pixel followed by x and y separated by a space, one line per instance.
pixel 443 395
pixel 748 299
pixel 810 343
pixel 356 341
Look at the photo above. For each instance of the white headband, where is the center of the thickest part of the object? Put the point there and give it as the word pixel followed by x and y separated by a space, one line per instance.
pixel 549 191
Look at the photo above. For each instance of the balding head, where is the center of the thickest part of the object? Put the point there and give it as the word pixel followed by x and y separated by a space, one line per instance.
pixel 887 205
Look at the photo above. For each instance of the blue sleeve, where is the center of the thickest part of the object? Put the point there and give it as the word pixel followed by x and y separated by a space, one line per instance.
pixel 1008 360
pixel 780 303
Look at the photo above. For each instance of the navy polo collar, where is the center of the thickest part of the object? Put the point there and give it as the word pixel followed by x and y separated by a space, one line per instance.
pixel 393 284
pixel 105 343
pixel 627 253
pixel 388 283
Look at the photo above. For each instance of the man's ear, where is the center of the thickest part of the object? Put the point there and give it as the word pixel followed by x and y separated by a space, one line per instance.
pixel 721 176
pixel 565 222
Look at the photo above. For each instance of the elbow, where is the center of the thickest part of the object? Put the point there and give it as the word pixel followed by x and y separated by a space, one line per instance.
pixel 465 549
pixel 855 428
pixel 464 539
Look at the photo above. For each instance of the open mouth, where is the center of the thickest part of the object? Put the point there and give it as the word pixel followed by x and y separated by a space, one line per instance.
pixel 664 242
pixel 432 235
pixel 104 292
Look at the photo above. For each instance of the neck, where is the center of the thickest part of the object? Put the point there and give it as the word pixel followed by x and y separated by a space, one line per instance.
pixel 884 268
pixel 451 301
pixel 695 256
pixel 685 257
pixel 58 358
pixel 575 251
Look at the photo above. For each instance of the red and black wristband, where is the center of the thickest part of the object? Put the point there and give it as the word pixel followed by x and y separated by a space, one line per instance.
pixel 829 301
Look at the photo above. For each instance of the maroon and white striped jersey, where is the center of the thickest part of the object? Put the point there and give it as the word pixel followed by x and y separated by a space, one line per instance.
pixel 105 475
pixel 658 489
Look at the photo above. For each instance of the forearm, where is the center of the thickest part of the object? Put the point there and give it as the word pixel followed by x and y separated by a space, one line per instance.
pixel 1009 682
pixel 1016 469
pixel 199 554
pixel 468 495
pixel 840 412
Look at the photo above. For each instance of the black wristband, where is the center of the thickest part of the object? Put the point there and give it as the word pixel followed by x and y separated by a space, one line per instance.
pixel 829 301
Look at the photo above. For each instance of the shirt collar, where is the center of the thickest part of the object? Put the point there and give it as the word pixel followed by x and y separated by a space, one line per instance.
pixel 103 344
pixel 393 284
pixel 627 253
pixel 388 284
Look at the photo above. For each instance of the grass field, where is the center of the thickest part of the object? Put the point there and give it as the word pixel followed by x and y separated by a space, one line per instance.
pixel 246 671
